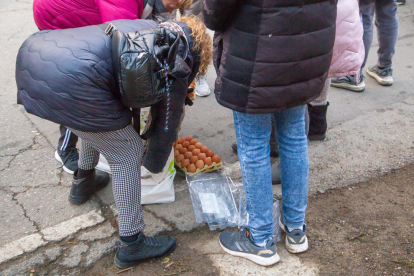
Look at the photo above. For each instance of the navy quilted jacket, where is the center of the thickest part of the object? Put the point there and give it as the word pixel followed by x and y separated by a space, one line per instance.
pixel 65 76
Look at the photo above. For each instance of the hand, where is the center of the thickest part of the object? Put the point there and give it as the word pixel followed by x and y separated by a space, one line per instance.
pixel 170 5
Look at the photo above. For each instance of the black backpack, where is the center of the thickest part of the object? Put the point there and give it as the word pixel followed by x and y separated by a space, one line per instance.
pixel 145 63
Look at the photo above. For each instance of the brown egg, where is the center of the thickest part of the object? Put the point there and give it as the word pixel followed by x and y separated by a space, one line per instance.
pixel 174 145
pixel 201 156
pixel 203 149
pixel 189 138
pixel 176 152
pixel 179 158
pixel 195 152
pixel 200 164
pixel 180 140
pixel 191 168
pixel 178 147
pixel 185 163
pixel 210 153
pixel 216 159
pixel 198 145
pixel 191 148
pixel 193 141
pixel 185 144
pixel 193 159
pixel 207 161
pixel 183 150
pixel 188 154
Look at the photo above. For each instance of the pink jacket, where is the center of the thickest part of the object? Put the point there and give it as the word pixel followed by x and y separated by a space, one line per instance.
pixel 348 51
pixel 62 14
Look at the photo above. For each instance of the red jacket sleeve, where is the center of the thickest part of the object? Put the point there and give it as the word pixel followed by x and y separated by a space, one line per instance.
pixel 119 9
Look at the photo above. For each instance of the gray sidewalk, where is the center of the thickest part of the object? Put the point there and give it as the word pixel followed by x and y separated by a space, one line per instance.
pixel 369 134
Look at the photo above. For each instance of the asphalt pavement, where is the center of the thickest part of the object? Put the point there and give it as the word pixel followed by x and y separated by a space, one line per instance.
pixel 369 134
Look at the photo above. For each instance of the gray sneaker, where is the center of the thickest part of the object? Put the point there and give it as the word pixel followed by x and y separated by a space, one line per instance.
pixel 296 240
pixel 240 244
pixel 382 76
pixel 348 82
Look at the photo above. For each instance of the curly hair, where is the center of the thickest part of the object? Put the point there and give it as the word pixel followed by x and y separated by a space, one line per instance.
pixel 202 41
pixel 184 5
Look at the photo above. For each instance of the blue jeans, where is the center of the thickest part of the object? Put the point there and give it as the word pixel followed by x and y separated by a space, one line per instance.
pixel 253 134
pixel 386 21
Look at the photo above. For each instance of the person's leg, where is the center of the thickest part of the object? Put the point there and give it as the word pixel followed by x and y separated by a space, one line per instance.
pixel 293 148
pixel 317 115
pixel 123 149
pixel 386 21
pixel 66 153
pixel 253 135
pixel 366 8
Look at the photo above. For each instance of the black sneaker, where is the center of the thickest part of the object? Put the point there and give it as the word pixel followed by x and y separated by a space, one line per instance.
pixel 132 254
pixel 83 188
pixel 240 244
pixel 348 82
pixel 69 159
pixel 382 76
pixel 296 240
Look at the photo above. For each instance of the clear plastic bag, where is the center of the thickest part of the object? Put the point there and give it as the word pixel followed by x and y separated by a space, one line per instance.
pixel 213 200
pixel 222 203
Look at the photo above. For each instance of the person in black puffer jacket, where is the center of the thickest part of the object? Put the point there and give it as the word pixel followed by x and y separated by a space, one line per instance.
pixel 274 60
pixel 66 76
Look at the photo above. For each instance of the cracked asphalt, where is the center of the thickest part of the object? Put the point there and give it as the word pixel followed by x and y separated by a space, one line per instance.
pixel 369 134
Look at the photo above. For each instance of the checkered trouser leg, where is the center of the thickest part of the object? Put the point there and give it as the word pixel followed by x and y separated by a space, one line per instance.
pixel 123 149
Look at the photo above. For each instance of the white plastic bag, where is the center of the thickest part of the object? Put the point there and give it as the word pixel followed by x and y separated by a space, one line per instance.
pixel 155 188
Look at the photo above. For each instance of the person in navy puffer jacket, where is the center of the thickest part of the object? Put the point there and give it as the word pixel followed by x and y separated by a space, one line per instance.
pixel 66 76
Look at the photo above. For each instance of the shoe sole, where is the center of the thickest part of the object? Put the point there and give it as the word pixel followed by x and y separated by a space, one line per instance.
pixel 355 88
pixel 379 79
pixel 317 137
pixel 122 265
pixel 294 249
pixel 256 259
pixel 57 157
pixel 204 95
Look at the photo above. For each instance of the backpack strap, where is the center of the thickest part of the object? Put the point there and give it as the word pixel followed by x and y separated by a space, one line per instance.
pixel 108 28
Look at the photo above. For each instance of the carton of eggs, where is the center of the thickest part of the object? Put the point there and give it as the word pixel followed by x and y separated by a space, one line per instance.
pixel 193 157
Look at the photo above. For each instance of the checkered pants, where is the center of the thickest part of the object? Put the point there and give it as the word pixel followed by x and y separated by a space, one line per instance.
pixel 123 149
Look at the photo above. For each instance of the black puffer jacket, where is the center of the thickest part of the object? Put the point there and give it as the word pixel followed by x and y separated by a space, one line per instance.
pixel 66 76
pixel 276 54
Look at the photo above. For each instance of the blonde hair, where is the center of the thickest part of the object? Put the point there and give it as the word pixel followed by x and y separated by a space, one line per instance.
pixel 202 41
pixel 184 5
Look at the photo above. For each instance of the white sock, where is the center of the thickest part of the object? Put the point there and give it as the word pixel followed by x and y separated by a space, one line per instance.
pixel 261 244
pixel 291 229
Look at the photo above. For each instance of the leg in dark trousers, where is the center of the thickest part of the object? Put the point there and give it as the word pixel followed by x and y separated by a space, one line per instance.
pixel 66 153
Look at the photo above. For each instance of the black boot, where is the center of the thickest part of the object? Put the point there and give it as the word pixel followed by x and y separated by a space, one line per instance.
pixel 131 254
pixel 83 188
pixel 317 125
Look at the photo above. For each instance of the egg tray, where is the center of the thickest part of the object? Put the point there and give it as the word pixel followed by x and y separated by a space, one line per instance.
pixel 206 169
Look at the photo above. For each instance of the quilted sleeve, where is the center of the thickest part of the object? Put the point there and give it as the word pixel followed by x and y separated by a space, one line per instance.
pixel 119 9
pixel 217 12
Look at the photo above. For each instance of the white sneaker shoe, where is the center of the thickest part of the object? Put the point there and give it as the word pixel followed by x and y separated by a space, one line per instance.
pixel 202 88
